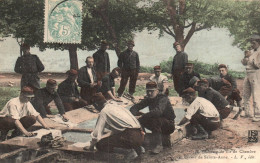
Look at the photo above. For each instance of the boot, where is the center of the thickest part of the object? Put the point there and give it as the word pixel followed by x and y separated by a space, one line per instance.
pixel 157 138
pixel 202 133
pixel 166 141
pixel 140 150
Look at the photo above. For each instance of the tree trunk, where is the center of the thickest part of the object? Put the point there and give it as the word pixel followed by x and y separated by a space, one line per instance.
pixel 73 57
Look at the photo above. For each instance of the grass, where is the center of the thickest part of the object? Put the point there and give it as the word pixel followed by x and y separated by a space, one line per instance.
pixel 6 93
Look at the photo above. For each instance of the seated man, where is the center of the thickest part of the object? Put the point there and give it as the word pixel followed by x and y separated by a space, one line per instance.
pixel 234 95
pixel 159 119
pixel 69 93
pixel 19 114
pixel 161 80
pixel 215 98
pixel 44 96
pixel 201 113
pixel 123 129
pixel 108 85
pixel 188 74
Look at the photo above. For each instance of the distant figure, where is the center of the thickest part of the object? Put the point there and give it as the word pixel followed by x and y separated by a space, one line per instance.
pixel 44 96
pixel 29 66
pixel 130 66
pixel 87 80
pixel 178 66
pixel 122 130
pixel 202 114
pixel 19 114
pixel 161 80
pixel 252 79
pixel 69 93
pixel 108 85
pixel 188 74
pixel 159 119
pixel 234 94
pixel 101 61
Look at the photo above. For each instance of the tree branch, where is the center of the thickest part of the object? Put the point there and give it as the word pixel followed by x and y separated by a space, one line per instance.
pixel 167 30
pixel 190 33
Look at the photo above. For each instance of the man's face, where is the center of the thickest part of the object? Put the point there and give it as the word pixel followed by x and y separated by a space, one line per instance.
pixel 130 47
pixel 72 78
pixel 189 69
pixel 51 89
pixel 26 51
pixel 188 99
pixel 90 62
pixel 178 48
pixel 152 93
pixel 223 71
pixel 202 88
pixel 157 73
pixel 24 99
pixel 104 47
pixel 255 44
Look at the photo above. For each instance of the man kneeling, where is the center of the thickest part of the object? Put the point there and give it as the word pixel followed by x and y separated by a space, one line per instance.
pixel 123 129
pixel 202 114
pixel 19 114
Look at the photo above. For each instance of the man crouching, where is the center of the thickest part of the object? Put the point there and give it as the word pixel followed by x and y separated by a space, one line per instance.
pixel 19 114
pixel 202 114
pixel 122 129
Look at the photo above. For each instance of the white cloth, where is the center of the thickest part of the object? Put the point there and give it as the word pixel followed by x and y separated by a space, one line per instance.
pixel 203 106
pixel 159 80
pixel 115 118
pixel 16 110
pixel 90 74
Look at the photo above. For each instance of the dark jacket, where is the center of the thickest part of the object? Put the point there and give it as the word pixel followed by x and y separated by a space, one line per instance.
pixel 42 98
pixel 68 89
pixel 102 62
pixel 185 79
pixel 231 80
pixel 214 97
pixel 160 106
pixel 28 64
pixel 83 77
pixel 107 84
pixel 129 60
pixel 179 61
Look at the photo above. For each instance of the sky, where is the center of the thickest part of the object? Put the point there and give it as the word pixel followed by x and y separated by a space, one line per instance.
pixel 213 46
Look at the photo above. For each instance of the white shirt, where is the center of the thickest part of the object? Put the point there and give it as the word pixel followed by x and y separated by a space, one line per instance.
pixel 203 106
pixel 15 110
pixel 159 80
pixel 115 118
pixel 90 74
pixel 254 60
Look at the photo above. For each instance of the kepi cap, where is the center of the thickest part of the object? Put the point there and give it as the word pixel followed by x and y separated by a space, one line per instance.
pixel 27 91
pixel 131 42
pixel 72 72
pixel 151 86
pixel 193 80
pixel 51 83
pixel 222 66
pixel 189 65
pixel 157 68
pixel 176 43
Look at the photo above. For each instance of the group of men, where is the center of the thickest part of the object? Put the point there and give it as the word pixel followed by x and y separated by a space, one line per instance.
pixel 124 128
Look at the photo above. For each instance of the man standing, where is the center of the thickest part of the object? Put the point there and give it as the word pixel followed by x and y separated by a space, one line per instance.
pixel 130 65
pixel 124 129
pixel 69 93
pixel 108 85
pixel 44 96
pixel 187 76
pixel 160 80
pixel 102 62
pixel 19 114
pixel 87 80
pixel 178 65
pixel 235 93
pixel 29 66
pixel 159 119
pixel 201 113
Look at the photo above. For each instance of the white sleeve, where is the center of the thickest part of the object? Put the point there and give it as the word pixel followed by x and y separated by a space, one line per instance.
pixel 13 113
pixel 192 109
pixel 99 129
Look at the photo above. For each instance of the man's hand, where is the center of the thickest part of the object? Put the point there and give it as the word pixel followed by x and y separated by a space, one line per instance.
pixel 30 134
pixel 178 128
pixel 118 100
pixel 93 85
pixel 138 117
pixel 76 99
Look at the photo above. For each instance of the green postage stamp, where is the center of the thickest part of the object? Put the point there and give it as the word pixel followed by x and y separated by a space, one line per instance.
pixel 63 21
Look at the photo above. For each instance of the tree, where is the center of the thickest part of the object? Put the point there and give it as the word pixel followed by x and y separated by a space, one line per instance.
pixel 182 18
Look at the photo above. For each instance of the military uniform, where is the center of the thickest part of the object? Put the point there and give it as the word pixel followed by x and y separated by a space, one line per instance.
pixel 102 63
pixel 185 79
pixel 107 84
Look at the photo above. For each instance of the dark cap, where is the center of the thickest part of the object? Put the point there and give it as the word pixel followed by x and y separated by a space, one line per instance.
pixel 193 80
pixel 117 69
pixel 51 83
pixel 188 91
pixel 27 91
pixel 104 42
pixel 222 66
pixel 203 82
pixel 99 98
pixel 157 68
pixel 131 42
pixel 72 72
pixel 176 43
pixel 189 65
pixel 25 46
pixel 151 86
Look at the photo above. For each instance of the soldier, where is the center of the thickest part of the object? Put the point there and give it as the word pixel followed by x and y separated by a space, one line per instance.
pixel 161 80
pixel 29 66
pixel 44 96
pixel 178 65
pixel 130 65
pixel 188 74
pixel 159 119
pixel 102 62
pixel 87 80
pixel 19 114
pixel 69 93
